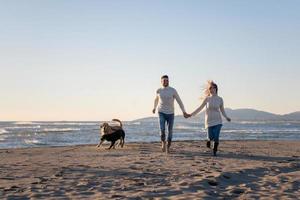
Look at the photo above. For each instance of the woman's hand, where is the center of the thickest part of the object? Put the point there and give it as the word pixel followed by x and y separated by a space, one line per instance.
pixel 186 115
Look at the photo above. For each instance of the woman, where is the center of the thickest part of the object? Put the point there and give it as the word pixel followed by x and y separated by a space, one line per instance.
pixel 213 121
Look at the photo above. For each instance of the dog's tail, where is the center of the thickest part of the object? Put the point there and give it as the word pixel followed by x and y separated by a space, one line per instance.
pixel 117 120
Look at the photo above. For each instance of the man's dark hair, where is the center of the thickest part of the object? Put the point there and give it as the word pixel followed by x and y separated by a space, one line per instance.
pixel 165 76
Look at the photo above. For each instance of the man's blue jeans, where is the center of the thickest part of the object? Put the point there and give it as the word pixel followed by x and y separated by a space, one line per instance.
pixel 163 119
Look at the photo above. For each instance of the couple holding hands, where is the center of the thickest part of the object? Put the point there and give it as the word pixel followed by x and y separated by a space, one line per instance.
pixel 164 99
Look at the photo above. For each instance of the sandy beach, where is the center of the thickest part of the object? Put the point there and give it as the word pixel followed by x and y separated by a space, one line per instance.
pixel 242 170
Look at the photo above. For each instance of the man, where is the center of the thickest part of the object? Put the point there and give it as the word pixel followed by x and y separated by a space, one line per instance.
pixel 165 100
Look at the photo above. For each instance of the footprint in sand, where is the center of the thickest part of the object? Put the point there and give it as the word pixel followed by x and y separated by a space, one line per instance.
pixel 183 183
pixel 212 182
pixel 59 174
pixel 14 188
pixel 17 197
pixel 138 163
pixel 8 178
pixel 197 175
pixel 210 176
pixel 116 196
pixel 237 191
pixel 226 176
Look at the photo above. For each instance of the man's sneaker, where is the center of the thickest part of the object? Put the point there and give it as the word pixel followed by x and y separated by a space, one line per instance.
pixel 168 147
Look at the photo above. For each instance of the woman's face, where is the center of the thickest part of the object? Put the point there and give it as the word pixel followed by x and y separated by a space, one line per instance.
pixel 212 90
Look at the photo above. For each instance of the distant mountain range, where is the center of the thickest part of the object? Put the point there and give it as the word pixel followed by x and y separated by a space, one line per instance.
pixel 243 115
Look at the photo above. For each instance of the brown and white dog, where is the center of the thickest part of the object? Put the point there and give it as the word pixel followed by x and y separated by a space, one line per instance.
pixel 112 134
pixel 105 128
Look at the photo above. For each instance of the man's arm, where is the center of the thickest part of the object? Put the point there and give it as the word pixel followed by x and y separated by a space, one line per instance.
pixel 155 104
pixel 176 96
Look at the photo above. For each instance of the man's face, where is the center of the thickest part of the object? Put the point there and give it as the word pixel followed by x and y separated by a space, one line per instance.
pixel 165 82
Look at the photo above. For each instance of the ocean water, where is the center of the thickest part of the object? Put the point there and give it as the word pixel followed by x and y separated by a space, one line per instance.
pixel 38 134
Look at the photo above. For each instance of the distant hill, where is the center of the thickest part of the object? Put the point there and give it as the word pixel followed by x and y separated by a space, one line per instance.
pixel 292 116
pixel 251 115
pixel 244 114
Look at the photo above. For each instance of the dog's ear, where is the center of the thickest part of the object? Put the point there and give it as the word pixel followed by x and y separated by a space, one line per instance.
pixel 104 128
pixel 102 125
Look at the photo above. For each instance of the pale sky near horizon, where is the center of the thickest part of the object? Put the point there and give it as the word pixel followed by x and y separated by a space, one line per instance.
pixel 98 60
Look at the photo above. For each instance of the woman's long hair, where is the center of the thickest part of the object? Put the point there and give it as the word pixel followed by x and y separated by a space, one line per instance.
pixel 206 91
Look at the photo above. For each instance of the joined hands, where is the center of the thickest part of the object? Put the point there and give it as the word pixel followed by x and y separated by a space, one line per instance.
pixel 186 115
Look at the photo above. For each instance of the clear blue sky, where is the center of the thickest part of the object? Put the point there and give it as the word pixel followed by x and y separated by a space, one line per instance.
pixel 97 60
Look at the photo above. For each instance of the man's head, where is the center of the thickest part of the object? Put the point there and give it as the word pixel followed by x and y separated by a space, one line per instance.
pixel 165 80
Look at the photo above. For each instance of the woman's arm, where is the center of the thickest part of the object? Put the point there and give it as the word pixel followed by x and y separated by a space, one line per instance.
pixel 200 108
pixel 223 111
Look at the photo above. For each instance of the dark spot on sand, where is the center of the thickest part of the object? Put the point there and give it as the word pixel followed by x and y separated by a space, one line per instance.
pixel 238 191
pixel 291 160
pixel 212 182
pixel 226 176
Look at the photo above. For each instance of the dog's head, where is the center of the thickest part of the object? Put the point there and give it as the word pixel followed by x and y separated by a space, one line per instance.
pixel 103 128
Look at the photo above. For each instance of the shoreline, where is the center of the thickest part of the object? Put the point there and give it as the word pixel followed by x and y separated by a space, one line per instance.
pixel 242 170
pixel 151 142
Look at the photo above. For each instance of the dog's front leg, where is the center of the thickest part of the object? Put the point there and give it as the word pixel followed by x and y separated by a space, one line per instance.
pixel 100 143
pixel 112 144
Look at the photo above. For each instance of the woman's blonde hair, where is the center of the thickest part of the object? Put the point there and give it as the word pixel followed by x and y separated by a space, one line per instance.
pixel 206 91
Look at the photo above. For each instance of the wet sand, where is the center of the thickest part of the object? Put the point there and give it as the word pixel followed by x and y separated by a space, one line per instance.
pixel 242 170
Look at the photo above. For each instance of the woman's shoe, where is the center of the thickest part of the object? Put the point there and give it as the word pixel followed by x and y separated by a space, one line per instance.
pixel 216 144
pixel 208 144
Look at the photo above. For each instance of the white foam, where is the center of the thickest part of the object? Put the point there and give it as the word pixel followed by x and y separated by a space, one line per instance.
pixel 134 123
pixel 2 130
pixel 72 123
pixel 181 127
pixel 32 141
pixel 3 137
pixel 25 123
pixel 252 122
pixel 60 129
pixel 23 127
pixel 243 131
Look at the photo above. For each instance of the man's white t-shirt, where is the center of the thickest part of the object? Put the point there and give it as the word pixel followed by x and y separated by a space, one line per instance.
pixel 166 97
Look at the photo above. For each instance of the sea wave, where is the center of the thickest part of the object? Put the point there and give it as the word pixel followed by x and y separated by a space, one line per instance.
pixel 133 123
pixel 25 123
pixel 284 130
pixel 74 123
pixel 32 141
pixel 2 130
pixel 182 127
pixel 23 127
pixel 60 129
pixel 242 131
pixel 3 137
pixel 251 122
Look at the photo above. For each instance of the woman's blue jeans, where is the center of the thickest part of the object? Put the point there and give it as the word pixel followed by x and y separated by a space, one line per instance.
pixel 213 132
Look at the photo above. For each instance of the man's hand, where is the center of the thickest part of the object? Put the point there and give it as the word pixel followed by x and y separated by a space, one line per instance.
pixel 186 115
pixel 153 111
pixel 228 119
